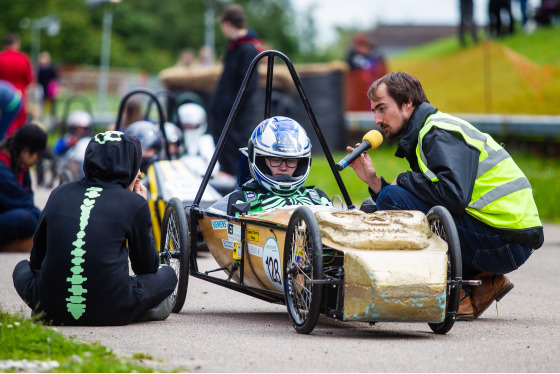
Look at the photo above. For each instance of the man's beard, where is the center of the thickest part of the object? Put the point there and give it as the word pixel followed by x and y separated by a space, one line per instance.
pixel 400 131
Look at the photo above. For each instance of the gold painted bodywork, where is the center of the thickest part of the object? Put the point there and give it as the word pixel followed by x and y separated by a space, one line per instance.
pixel 395 269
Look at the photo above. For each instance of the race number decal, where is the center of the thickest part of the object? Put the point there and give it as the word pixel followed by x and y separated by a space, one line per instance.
pixel 233 232
pixel 271 263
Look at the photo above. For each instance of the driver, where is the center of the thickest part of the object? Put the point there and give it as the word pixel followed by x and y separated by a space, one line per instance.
pixel 151 140
pixel 279 155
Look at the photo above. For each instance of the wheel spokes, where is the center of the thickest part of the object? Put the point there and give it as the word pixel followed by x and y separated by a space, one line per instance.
pixel 172 244
pixel 301 270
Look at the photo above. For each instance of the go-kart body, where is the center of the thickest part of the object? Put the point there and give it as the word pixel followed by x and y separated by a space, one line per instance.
pixel 343 263
pixel 173 178
pixel 394 267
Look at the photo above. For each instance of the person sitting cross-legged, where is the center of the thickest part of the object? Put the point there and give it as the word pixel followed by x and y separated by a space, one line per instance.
pixel 87 236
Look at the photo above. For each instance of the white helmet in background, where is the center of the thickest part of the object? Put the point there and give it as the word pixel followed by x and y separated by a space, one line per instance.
pixel 193 121
pixel 79 119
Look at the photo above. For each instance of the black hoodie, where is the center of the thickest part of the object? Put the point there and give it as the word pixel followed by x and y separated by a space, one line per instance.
pixel 80 245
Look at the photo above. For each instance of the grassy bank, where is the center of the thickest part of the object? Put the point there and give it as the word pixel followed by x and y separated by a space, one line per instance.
pixel 24 339
pixel 519 74
pixel 541 172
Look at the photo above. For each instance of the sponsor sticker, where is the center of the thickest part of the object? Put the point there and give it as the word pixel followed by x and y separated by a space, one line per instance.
pixel 227 244
pixel 272 264
pixel 219 224
pixel 255 250
pixel 253 235
pixel 233 232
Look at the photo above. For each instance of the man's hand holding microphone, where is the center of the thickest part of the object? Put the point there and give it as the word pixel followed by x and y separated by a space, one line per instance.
pixel 359 160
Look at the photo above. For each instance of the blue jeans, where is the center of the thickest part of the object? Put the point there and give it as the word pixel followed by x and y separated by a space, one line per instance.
pixel 482 248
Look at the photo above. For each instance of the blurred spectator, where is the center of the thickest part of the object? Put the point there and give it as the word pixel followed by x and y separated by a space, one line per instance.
pixel 496 8
pixel 523 11
pixel 18 213
pixel 186 58
pixel 15 67
pixel 243 47
pixel 367 64
pixel 549 10
pixel 205 56
pixel 47 77
pixel 10 105
pixel 132 113
pixel 467 22
pixel 79 125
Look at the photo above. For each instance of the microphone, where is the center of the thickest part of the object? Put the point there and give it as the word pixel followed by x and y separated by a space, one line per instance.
pixel 370 140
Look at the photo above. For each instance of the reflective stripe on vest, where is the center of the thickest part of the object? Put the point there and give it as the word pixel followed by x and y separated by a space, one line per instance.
pixel 502 195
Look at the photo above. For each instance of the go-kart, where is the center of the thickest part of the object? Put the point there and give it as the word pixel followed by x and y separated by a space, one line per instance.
pixel 340 262
pixel 167 178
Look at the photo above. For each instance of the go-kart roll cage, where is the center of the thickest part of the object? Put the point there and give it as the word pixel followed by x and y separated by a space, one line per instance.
pixel 268 104
pixel 154 98
pixel 196 212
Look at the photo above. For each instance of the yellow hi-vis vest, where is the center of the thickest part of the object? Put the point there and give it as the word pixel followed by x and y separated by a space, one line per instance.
pixel 502 195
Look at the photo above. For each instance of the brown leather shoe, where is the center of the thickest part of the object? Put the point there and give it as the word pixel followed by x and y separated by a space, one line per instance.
pixel 466 312
pixel 493 287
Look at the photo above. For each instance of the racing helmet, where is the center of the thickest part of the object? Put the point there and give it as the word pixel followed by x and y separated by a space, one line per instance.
pixel 284 138
pixel 79 119
pixel 174 137
pixel 192 116
pixel 151 140
pixel 173 133
pixel 193 121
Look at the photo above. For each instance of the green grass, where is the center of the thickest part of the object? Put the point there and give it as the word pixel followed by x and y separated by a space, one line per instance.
pixel 22 338
pixel 519 74
pixel 541 172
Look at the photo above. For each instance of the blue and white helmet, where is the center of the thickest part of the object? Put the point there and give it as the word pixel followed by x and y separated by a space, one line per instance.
pixel 279 137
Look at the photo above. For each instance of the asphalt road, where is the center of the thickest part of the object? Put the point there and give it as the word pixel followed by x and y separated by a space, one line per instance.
pixel 220 330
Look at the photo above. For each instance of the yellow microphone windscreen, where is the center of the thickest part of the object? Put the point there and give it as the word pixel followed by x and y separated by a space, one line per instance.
pixel 374 137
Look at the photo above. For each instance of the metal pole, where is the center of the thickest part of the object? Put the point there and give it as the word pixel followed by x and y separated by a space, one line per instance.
pixel 105 59
pixel 35 45
pixel 209 35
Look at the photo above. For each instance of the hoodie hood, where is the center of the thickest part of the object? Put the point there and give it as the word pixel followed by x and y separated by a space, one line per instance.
pixel 112 158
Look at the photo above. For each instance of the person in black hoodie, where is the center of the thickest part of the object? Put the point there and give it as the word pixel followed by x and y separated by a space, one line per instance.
pixel 78 273
pixel 455 165
pixel 243 47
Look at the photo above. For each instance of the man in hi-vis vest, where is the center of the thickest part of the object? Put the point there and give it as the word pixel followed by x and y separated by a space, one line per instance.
pixel 455 165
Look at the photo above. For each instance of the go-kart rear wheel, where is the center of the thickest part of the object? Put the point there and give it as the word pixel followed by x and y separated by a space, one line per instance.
pixel 175 248
pixel 442 224
pixel 303 262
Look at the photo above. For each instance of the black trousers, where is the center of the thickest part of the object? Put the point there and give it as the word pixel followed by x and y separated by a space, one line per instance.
pixel 156 287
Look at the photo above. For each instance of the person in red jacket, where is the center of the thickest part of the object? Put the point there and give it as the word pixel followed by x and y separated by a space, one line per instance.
pixel 15 67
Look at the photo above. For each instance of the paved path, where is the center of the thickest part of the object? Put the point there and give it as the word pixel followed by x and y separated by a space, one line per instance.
pixel 220 330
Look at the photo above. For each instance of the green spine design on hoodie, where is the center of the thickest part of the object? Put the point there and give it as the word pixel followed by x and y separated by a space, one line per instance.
pixel 104 137
pixel 76 302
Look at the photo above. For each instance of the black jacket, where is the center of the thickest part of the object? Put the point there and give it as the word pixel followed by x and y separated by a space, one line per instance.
pixel 238 57
pixel 80 244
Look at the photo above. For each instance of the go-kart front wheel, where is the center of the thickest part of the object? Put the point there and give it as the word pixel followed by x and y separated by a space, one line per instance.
pixel 442 224
pixel 175 248
pixel 303 262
